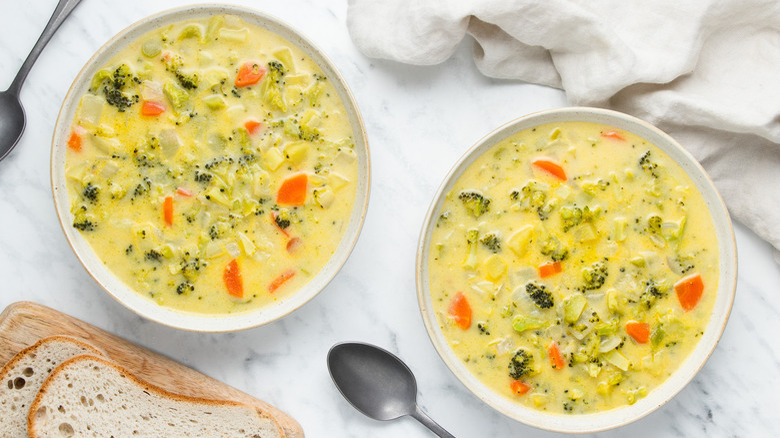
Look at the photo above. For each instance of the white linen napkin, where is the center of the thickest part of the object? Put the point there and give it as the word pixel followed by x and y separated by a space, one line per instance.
pixel 705 71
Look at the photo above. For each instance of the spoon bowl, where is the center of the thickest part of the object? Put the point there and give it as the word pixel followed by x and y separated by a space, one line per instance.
pixel 12 118
pixel 357 368
pixel 377 383
pixel 12 121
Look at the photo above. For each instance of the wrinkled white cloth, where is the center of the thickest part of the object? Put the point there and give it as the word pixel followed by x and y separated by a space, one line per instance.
pixel 705 71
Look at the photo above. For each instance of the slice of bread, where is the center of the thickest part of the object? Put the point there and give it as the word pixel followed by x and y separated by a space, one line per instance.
pixel 87 396
pixel 23 375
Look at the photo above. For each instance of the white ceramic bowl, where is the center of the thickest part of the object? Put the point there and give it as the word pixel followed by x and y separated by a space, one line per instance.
pixel 120 291
pixel 688 369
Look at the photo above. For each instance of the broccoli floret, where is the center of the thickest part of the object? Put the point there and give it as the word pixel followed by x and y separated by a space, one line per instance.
pixel 595 276
pixel 188 82
pixel 272 85
pixel 118 99
pixel 202 177
pixel 443 218
pixel 190 267
pixel 282 219
pixel 84 224
pixel 184 288
pixel 90 193
pixel 532 193
pixel 651 294
pixel 491 241
pixel 475 202
pixel 153 256
pixel 483 328
pixel 521 364
pixel 648 165
pixel 174 64
pixel 571 217
pixel 539 295
pixel 654 224
pixel 472 238
pixel 552 248
pixel 142 188
pixel 114 85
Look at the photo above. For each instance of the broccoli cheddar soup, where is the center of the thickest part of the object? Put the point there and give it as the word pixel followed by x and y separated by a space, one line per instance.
pixel 573 267
pixel 211 166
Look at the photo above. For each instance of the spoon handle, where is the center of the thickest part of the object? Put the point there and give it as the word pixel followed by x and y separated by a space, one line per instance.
pixel 423 418
pixel 64 8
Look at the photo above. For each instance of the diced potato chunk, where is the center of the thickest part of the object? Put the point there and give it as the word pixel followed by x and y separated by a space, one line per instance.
pixel 519 240
pixel 324 196
pixel 337 180
pixel 234 35
pixel 273 158
pixel 494 267
pixel 296 152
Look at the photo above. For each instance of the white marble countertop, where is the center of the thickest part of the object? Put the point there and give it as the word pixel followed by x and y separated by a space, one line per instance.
pixel 419 121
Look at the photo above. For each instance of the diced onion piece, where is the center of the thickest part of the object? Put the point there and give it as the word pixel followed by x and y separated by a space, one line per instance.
pixel 233 249
pixel 617 359
pixel 91 109
pixel 505 346
pixel 169 142
pixel 248 247
pixel 609 343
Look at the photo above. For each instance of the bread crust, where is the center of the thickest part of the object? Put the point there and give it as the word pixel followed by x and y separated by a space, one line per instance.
pixel 146 386
pixel 37 357
pixel 24 352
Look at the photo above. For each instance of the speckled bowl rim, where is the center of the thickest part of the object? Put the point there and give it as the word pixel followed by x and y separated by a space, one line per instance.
pixel 688 369
pixel 106 279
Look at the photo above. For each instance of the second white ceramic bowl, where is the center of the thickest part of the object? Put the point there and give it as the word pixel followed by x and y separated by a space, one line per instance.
pixel 725 293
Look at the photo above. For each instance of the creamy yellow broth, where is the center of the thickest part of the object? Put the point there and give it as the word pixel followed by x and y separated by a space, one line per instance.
pixel 589 258
pixel 177 159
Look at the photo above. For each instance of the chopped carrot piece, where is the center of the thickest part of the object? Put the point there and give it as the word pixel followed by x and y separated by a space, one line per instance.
pixel 293 244
pixel 550 167
pixel 183 192
pixel 168 210
pixel 253 126
pixel 614 135
pixel 232 278
pixel 519 387
pixel 74 141
pixel 250 73
pixel 556 358
pixel 460 311
pixel 293 190
pixel 689 290
pixel 281 279
pixel 151 108
pixel 640 331
pixel 550 268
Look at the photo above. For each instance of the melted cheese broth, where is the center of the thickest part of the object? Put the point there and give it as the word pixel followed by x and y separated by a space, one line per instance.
pixel 555 265
pixel 177 159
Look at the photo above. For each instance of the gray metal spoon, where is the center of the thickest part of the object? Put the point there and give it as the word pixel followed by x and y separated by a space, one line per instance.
pixel 12 119
pixel 377 383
